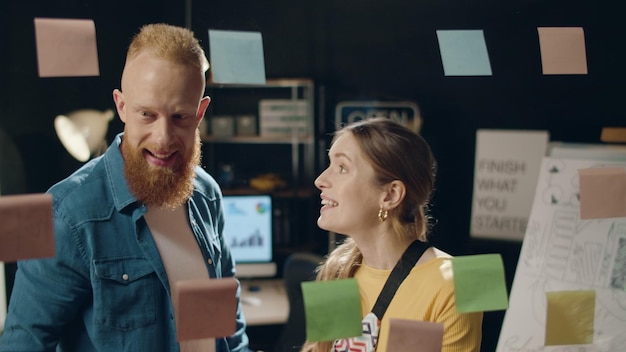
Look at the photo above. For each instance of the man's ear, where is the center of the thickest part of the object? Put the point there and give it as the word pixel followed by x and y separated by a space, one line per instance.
pixel 118 98
pixel 395 192
pixel 204 104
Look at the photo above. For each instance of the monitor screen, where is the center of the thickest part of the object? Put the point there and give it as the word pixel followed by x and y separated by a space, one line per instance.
pixel 248 232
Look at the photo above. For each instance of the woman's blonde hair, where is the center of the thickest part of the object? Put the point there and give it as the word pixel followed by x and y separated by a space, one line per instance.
pixel 396 153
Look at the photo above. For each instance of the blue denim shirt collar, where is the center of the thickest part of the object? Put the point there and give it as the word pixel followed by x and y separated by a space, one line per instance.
pixel 113 160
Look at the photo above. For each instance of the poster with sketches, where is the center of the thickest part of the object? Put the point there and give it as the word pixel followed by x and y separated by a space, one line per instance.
pixel 561 252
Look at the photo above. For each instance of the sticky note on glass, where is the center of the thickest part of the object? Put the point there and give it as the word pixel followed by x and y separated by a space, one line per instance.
pixel 236 57
pixel 205 308
pixel 562 50
pixel 570 317
pixel 464 53
pixel 26 228
pixel 602 192
pixel 332 309
pixel 479 283
pixel 405 335
pixel 66 47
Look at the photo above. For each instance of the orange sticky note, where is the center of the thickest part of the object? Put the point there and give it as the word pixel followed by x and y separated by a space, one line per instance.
pixel 406 335
pixel 602 192
pixel 205 308
pixel 562 50
pixel 570 317
pixel 66 47
pixel 26 229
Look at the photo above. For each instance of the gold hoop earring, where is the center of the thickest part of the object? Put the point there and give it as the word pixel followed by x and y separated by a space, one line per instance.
pixel 382 214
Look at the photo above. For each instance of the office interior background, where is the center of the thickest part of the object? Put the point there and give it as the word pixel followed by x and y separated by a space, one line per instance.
pixel 352 50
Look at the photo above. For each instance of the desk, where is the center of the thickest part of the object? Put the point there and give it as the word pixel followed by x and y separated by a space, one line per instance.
pixel 267 305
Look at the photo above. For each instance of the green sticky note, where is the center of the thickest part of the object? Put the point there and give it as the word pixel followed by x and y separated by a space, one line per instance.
pixel 570 317
pixel 479 283
pixel 332 309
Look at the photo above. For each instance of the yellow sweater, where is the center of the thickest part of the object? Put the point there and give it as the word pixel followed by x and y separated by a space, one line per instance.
pixel 427 294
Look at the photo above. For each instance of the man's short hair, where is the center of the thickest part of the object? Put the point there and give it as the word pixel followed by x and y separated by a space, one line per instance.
pixel 170 42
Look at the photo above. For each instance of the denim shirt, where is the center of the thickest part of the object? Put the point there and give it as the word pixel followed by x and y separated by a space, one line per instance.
pixel 106 289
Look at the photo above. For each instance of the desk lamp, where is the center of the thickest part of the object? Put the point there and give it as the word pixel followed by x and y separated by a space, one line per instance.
pixel 83 132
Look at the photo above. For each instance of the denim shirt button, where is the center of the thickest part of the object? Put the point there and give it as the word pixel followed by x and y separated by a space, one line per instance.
pixel 125 277
pixel 209 261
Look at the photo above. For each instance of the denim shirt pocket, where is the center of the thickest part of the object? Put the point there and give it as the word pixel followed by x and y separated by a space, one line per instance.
pixel 125 293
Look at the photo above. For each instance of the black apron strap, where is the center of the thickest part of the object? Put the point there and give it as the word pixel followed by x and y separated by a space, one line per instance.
pixel 410 256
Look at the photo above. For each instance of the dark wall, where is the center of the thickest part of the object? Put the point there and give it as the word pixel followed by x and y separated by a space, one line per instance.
pixel 362 49
pixel 370 49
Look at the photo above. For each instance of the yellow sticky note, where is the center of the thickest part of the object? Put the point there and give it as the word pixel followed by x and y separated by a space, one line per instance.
pixel 570 317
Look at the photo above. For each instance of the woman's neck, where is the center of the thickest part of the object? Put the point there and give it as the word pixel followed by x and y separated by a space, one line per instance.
pixel 382 251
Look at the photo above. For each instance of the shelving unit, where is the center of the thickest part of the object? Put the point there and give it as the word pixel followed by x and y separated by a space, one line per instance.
pixel 244 99
pixel 291 157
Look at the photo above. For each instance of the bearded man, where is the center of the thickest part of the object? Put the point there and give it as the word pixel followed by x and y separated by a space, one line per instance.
pixel 132 222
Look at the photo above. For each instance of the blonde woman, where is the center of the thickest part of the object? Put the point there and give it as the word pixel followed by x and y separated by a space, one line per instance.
pixel 376 191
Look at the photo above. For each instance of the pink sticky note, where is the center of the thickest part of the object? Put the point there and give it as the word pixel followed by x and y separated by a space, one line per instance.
pixel 405 335
pixel 66 47
pixel 26 229
pixel 205 308
pixel 562 50
pixel 602 192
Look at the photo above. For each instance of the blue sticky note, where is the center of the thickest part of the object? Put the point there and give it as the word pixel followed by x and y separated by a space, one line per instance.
pixel 236 57
pixel 464 53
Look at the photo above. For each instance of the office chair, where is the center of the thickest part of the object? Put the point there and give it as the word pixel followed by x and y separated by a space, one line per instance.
pixel 298 267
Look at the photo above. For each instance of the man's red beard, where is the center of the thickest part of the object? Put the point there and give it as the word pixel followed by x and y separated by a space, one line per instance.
pixel 165 187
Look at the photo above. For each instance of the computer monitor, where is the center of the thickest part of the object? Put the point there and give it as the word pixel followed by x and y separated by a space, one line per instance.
pixel 248 232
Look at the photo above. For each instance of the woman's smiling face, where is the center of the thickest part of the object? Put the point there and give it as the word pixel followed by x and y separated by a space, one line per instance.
pixel 350 196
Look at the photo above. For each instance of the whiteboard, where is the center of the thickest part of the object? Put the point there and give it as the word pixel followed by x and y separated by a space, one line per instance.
pixel 561 252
